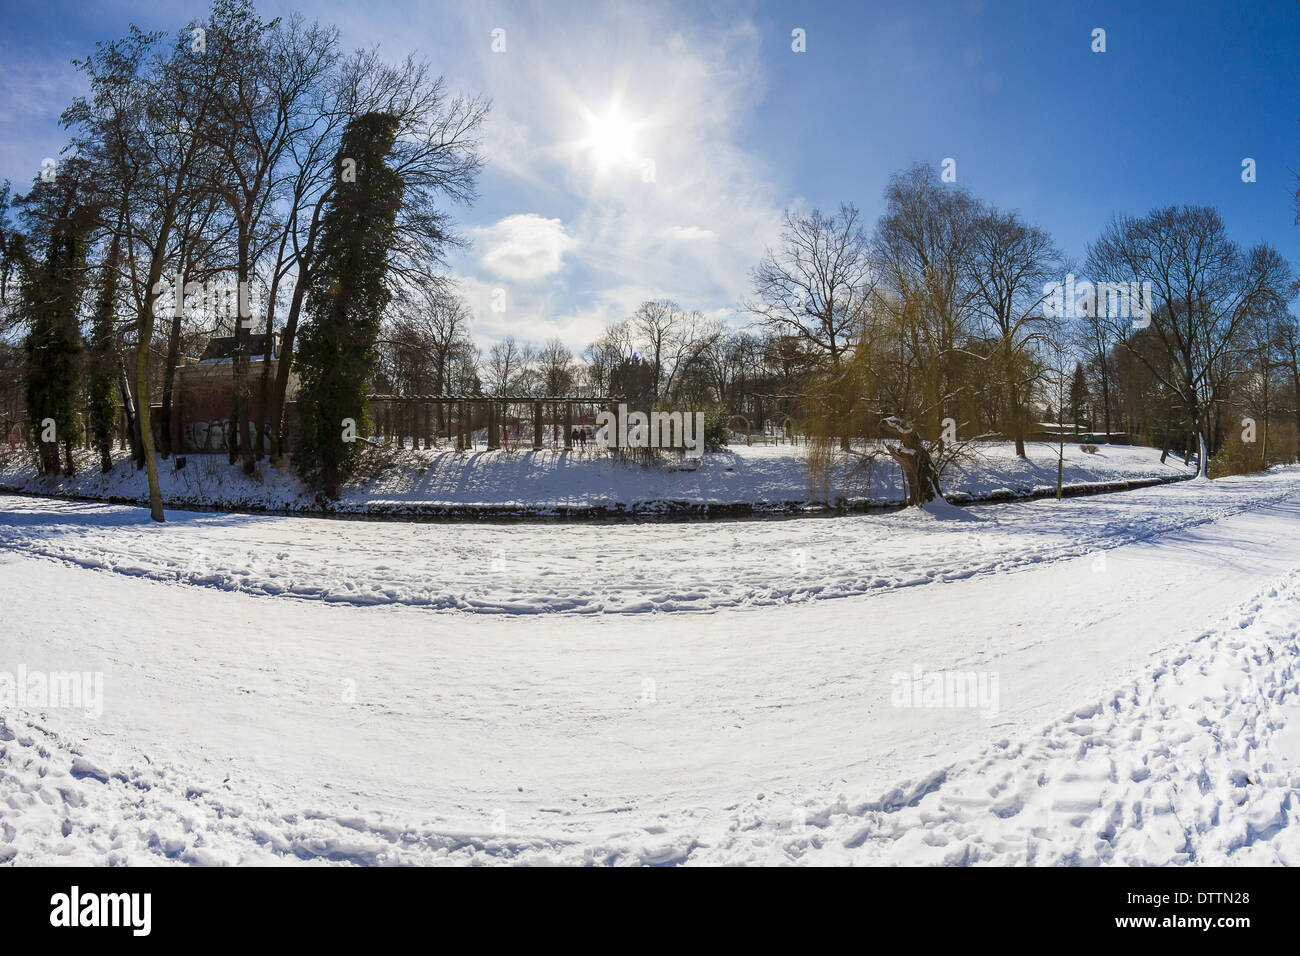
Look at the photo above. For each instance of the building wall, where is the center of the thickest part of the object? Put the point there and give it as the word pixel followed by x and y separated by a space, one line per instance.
pixel 202 398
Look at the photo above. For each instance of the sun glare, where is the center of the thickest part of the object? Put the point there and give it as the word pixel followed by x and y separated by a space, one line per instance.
pixel 611 138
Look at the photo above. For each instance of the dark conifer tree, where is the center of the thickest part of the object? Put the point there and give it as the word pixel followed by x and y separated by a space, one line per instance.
pixel 59 219
pixel 346 301
pixel 102 365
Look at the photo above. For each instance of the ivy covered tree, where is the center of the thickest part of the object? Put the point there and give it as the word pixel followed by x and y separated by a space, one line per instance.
pixel 59 217
pixel 9 241
pixel 346 301
pixel 102 360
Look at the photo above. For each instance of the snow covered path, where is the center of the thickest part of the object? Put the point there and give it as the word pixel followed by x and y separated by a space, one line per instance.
pixel 242 728
pixel 607 568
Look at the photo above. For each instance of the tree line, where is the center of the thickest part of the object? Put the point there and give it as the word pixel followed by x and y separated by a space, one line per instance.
pixel 948 322
pixel 259 153
pixel 316 184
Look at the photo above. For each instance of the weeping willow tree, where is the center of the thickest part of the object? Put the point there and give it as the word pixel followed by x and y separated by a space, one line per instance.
pixel 882 403
pixel 835 418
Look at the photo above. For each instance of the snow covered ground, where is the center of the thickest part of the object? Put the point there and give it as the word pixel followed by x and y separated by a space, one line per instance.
pixel 438 481
pixel 607 567
pixel 288 689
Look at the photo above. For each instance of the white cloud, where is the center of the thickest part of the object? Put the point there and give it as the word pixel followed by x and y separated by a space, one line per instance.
pixel 577 236
pixel 689 233
pixel 524 247
pixel 682 87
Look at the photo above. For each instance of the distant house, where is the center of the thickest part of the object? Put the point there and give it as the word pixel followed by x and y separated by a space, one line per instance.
pixel 222 348
pixel 1055 431
pixel 201 401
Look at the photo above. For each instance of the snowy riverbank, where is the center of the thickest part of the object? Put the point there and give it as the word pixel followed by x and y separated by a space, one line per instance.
pixel 281 689
pixel 738 480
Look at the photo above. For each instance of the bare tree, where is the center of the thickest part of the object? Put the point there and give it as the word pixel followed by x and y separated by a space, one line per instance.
pixel 436 157
pixel 814 285
pixel 509 367
pixel 926 243
pixel 555 369
pixel 655 322
pixel 426 346
pixel 1011 261
pixel 1204 288
pixel 138 128
pixel 611 349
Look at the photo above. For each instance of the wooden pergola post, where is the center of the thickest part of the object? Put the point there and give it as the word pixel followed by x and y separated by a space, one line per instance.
pixel 494 434
pixel 537 426
pixel 568 426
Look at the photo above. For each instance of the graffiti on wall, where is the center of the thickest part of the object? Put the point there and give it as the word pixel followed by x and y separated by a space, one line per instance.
pixel 211 435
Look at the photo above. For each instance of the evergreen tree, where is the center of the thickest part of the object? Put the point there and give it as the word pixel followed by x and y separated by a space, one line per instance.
pixel 1078 395
pixel 9 243
pixel 102 369
pixel 346 300
pixel 59 222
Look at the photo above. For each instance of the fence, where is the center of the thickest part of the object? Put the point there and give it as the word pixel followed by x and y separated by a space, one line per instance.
pixel 426 421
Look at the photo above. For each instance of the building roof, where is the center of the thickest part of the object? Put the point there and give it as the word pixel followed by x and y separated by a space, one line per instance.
pixel 223 347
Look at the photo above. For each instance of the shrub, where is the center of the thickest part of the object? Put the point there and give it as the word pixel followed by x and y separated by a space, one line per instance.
pixel 715 429
pixel 1236 457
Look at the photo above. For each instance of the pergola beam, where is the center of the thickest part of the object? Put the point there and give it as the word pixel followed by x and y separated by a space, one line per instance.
pixel 499 399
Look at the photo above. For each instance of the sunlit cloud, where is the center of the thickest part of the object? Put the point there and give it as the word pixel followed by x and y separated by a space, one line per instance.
pixel 618 149
pixel 524 247
pixel 689 233
pixel 631 142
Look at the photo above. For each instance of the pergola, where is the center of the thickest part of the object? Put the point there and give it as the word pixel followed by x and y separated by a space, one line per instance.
pixel 415 414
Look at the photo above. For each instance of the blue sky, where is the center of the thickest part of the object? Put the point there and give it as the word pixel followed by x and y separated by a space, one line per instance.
pixel 739 127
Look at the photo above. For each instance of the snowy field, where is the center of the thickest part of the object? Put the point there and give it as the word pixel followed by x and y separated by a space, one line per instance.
pixel 292 689
pixel 435 481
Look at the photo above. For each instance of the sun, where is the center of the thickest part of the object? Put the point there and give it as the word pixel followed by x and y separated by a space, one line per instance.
pixel 611 138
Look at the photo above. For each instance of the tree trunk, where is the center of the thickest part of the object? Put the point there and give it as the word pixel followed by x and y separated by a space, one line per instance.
pixel 276 421
pixel 1105 396
pixel 169 377
pixel 105 444
pixel 1017 426
pixel 132 419
pixel 1013 402
pixel 146 431
pixel 243 348
pixel 264 440
pixel 1169 423
pixel 1060 468
pixel 919 472
pixel 1295 384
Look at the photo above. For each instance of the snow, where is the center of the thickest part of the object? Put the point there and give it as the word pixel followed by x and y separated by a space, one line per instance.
pixel 520 568
pixel 400 481
pixel 368 692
